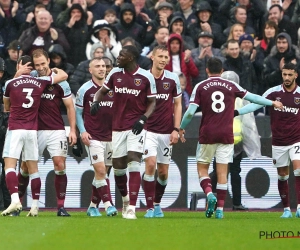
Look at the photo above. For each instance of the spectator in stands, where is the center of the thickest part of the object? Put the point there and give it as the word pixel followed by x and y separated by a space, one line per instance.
pixel 276 15
pixel 42 35
pixel 185 96
pixel 31 14
pixel 96 8
pixel 14 52
pixel 178 64
pixel 201 54
pixel 204 23
pixel 128 25
pixel 187 11
pixel 106 36
pixel 161 38
pixel 241 65
pixel 284 52
pixel 235 32
pixel 143 61
pixel 11 18
pixel 76 30
pixel 143 15
pixel 110 16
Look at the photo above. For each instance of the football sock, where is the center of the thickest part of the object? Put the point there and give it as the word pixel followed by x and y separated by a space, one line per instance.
pixel 95 199
pixel 134 181
pixel 60 181
pixel 297 184
pixel 149 189
pixel 283 189
pixel 221 194
pixel 35 185
pixel 205 183
pixel 220 208
pixel 23 180
pixel 131 207
pixel 121 180
pixel 103 190
pixel 108 184
pixel 12 183
pixel 160 187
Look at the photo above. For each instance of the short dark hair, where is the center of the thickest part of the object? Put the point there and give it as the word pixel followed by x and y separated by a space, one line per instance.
pixel 25 59
pixel 107 58
pixel 239 7
pixel 110 11
pixel 214 65
pixel 231 41
pixel 159 47
pixel 127 39
pixel 160 27
pixel 290 66
pixel 278 6
pixel 132 50
pixel 40 52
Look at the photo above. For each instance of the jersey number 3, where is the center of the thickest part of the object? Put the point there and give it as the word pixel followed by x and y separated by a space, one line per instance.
pixel 29 97
pixel 217 105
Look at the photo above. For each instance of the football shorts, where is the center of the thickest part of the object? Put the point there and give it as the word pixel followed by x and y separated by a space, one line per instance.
pixel 222 152
pixel 100 151
pixel 283 155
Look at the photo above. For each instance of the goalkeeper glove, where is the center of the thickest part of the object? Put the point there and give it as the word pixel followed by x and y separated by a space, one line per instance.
pixel 139 125
pixel 77 149
pixel 94 108
pixel 236 113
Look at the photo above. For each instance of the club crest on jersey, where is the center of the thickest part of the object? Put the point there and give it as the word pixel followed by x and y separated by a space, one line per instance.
pixel 297 100
pixel 50 87
pixel 146 152
pixel 274 161
pixel 110 93
pixel 278 99
pixel 137 82
pixel 166 85
pixel 95 157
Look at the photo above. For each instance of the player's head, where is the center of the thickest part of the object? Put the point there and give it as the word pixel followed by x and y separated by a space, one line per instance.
pixel 97 68
pixel 24 60
pixel 214 66
pixel 41 62
pixel 160 57
pixel 127 56
pixel 289 75
pixel 108 64
pixel 231 76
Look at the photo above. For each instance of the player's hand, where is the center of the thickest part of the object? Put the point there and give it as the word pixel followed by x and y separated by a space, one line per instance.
pixel 181 135
pixel 174 137
pixel 139 125
pixel 72 138
pixel 77 149
pixel 94 108
pixel 277 104
pixel 236 113
pixel 85 137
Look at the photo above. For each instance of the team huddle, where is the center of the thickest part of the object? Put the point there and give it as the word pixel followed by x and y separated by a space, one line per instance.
pixel 130 114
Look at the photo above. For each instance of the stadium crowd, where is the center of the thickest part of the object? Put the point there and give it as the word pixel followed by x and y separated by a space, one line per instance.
pixel 253 38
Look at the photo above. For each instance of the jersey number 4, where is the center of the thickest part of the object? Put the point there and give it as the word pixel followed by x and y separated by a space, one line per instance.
pixel 217 105
pixel 29 97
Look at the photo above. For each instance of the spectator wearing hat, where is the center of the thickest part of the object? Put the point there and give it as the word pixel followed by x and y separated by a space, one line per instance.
pixel 283 52
pixel 76 30
pixel 14 50
pixel 246 43
pixel 204 51
pixel 162 19
pixel 235 61
pixel 205 23
pixel 128 25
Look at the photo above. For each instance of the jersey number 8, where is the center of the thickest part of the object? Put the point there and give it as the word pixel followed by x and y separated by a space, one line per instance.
pixel 217 105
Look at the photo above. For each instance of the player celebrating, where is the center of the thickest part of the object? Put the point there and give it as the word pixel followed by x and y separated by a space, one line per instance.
pixel 96 135
pixel 285 133
pixel 134 101
pixel 52 135
pixel 162 131
pixel 216 96
pixel 22 98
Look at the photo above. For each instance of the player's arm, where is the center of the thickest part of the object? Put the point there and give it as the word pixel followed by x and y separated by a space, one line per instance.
pixel 59 77
pixel 6 103
pixel 188 115
pixel 98 97
pixel 68 102
pixel 85 136
pixel 177 119
pixel 151 104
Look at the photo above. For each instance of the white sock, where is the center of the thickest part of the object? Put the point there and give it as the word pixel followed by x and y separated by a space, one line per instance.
pixel 208 194
pixel 220 208
pixel 298 206
pixel 287 208
pixel 92 204
pixel 35 203
pixel 131 207
pixel 15 198
pixel 107 205
pixel 125 198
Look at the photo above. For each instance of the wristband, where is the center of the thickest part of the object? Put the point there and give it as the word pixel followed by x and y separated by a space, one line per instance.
pixel 176 129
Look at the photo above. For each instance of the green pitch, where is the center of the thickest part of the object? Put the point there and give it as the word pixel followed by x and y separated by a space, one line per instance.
pixel 178 230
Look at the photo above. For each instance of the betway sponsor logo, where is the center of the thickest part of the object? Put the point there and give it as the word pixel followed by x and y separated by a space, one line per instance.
pixel 126 90
pixel 162 96
pixel 48 96
pixel 288 110
pixel 104 104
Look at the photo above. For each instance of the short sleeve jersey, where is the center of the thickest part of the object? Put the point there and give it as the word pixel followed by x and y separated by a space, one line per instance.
pixel 100 125
pixel 131 91
pixel 25 93
pixel 49 113
pixel 168 87
pixel 216 96
pixel 285 123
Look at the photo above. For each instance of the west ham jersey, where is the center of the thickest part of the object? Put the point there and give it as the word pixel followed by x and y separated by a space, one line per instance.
pixel 100 125
pixel 131 91
pixel 168 87
pixel 216 96
pixel 25 98
pixel 284 123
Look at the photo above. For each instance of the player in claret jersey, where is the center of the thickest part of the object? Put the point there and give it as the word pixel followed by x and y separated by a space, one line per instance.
pixel 22 98
pixel 162 131
pixel 216 96
pixel 96 134
pixel 285 133
pixel 51 129
pixel 134 101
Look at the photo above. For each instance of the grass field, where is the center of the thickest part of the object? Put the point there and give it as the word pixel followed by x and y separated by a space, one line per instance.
pixel 178 230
